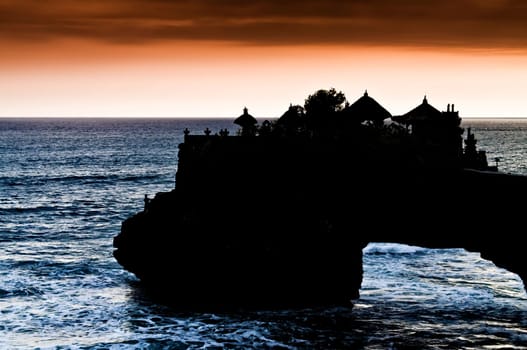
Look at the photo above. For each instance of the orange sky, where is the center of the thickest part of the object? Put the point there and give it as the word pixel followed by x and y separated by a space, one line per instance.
pixel 206 58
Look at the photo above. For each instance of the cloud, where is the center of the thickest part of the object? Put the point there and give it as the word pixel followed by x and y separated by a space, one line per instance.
pixel 465 23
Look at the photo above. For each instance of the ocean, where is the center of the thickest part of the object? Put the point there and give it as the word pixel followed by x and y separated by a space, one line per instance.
pixel 66 185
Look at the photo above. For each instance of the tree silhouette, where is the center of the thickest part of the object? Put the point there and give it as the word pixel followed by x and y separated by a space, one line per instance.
pixel 322 106
pixel 325 102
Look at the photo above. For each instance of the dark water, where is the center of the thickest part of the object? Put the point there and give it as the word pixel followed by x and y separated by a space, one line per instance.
pixel 66 186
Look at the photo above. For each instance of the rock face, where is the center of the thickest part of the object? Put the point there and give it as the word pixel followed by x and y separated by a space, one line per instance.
pixel 246 225
pixel 280 219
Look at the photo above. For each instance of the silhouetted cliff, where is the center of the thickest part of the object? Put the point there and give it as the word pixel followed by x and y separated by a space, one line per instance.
pixel 278 215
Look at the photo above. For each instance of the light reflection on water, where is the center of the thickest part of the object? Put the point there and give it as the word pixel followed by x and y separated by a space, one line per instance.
pixel 502 138
pixel 61 288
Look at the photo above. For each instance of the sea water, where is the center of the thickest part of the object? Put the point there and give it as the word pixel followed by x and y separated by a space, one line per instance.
pixel 67 184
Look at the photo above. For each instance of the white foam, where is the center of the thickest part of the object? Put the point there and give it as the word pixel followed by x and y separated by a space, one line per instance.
pixel 391 248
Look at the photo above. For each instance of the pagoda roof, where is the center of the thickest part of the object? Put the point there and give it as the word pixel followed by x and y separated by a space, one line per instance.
pixel 245 119
pixel 366 108
pixel 423 112
pixel 291 117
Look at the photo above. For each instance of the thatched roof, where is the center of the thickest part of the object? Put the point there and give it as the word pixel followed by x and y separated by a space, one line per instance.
pixel 245 120
pixel 366 108
pixel 423 112
pixel 291 117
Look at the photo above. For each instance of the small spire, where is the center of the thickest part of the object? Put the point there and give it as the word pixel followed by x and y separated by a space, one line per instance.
pixel 366 92
pixel 425 101
pixel 245 110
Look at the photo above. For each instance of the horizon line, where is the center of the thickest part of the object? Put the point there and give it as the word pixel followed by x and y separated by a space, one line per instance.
pixel 200 117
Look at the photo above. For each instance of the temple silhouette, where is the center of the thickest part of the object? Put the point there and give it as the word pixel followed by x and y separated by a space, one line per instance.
pixel 278 213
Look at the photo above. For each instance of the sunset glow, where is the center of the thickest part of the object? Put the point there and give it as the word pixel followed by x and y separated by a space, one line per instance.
pixel 211 58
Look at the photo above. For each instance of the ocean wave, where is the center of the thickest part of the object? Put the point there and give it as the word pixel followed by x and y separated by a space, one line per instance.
pixel 90 178
pixel 58 209
pixel 99 177
pixel 24 210
pixel 20 290
pixel 392 248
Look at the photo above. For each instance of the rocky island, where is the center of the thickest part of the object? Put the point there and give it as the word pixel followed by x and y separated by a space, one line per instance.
pixel 278 214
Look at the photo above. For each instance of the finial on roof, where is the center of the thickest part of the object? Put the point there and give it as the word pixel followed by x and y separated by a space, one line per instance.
pixel 245 110
pixel 425 101
pixel 366 92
